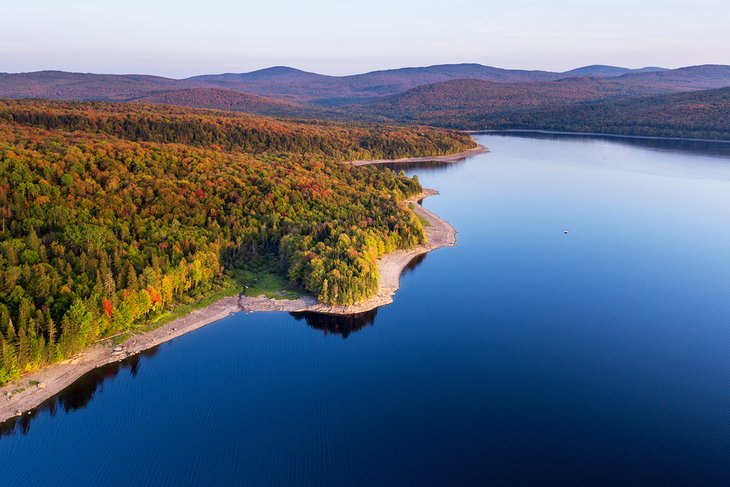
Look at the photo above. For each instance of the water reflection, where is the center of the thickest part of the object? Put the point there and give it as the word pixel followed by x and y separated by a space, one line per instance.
pixel 415 262
pixel 337 324
pixel 78 395
pixel 415 166
pixel 694 147
pixel 346 325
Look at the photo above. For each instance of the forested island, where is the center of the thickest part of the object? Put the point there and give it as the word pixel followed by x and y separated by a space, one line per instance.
pixel 112 214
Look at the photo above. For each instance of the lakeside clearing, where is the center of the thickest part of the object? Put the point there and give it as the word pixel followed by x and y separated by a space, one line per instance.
pixel 22 395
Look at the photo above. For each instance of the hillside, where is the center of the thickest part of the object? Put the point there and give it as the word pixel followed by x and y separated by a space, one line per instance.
pixel 234 131
pixel 293 85
pixel 683 79
pixel 307 90
pixel 699 114
pixel 112 214
pixel 452 95
pixel 299 85
pixel 59 85
pixel 281 82
pixel 453 103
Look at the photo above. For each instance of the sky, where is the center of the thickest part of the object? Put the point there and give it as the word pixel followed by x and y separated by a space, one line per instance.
pixel 182 38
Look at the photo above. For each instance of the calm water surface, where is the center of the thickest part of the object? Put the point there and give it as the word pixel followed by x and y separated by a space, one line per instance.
pixel 522 356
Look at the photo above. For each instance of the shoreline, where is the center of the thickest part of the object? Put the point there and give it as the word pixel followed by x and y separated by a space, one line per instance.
pixel 390 266
pixel 479 149
pixel 21 396
pixel 590 134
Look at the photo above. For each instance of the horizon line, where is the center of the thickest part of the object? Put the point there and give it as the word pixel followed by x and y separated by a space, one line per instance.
pixel 356 73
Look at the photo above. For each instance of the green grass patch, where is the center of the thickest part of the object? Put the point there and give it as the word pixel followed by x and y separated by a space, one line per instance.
pixel 252 282
pixel 270 284
pixel 424 221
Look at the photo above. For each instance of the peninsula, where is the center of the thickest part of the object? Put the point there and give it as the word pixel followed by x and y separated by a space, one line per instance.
pixel 347 267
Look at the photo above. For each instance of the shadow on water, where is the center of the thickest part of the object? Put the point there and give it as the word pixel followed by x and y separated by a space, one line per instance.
pixel 78 395
pixel 337 324
pixel 415 262
pixel 346 325
pixel 419 166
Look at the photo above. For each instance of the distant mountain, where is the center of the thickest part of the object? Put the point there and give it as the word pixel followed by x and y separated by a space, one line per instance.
pixel 603 71
pixel 293 84
pixel 61 85
pixel 277 75
pixel 279 82
pixel 449 94
pixel 454 103
pixel 703 77
pixel 697 114
pixel 331 90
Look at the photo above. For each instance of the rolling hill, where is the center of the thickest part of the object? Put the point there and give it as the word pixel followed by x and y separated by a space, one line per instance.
pixel 295 84
pixel 453 103
pixel 60 85
pixel 690 78
pixel 450 95
pixel 697 114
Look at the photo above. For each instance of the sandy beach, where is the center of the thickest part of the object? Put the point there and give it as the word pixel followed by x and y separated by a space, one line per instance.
pixel 480 149
pixel 26 393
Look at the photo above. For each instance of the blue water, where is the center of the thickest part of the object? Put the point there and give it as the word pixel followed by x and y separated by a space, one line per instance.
pixel 523 356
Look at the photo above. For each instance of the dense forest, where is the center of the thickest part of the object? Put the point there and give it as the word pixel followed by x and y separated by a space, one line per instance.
pixel 699 114
pixel 576 105
pixel 111 214
pixel 234 131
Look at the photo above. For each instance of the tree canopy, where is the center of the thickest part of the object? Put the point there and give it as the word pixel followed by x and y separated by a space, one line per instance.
pixel 111 214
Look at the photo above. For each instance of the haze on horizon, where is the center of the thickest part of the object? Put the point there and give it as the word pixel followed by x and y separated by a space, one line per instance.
pixel 183 37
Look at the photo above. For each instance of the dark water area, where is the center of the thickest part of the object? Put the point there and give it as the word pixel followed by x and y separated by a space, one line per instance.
pixel 79 394
pixel 522 356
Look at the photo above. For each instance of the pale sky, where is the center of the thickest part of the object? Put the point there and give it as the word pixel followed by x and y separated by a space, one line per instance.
pixel 180 38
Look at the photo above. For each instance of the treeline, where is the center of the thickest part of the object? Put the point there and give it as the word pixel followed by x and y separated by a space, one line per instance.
pixel 99 234
pixel 233 131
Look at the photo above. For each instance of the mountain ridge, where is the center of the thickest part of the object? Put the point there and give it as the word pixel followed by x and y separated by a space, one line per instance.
pixel 607 71
pixel 450 95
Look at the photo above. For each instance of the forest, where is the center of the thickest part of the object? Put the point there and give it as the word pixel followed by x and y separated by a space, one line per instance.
pixel 112 214
pixel 698 114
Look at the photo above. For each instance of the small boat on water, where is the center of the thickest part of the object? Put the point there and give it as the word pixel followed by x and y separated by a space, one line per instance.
pixel 565 231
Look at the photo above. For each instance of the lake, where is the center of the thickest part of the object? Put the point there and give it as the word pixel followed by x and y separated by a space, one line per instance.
pixel 522 356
